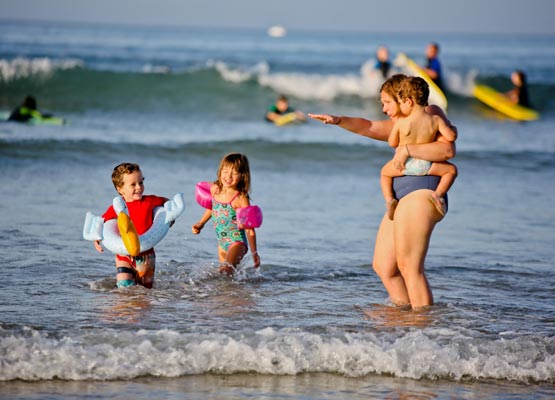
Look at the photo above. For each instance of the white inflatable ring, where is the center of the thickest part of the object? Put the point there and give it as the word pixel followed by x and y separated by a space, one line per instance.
pixel 96 229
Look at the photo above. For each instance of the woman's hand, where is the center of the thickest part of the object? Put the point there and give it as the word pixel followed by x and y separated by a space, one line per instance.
pixel 326 118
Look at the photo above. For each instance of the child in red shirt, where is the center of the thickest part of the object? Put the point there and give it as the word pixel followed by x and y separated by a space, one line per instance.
pixel 129 183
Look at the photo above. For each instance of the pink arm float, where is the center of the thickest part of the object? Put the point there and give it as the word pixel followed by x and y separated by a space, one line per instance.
pixel 247 217
pixel 202 194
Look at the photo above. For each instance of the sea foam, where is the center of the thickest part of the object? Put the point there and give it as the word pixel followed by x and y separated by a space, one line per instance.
pixel 20 67
pixel 107 354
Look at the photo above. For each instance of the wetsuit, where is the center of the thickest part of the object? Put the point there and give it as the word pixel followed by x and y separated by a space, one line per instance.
pixel 384 67
pixel 434 65
pixel 24 114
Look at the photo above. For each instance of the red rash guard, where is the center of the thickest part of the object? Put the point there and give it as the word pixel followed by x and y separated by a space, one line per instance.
pixel 141 212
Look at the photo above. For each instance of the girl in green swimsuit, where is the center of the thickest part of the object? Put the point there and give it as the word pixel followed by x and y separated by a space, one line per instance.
pixel 229 192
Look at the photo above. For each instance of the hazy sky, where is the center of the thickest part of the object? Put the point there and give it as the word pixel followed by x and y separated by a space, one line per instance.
pixel 505 16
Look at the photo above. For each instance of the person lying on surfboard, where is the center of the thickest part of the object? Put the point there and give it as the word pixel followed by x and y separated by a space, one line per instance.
pixel 280 108
pixel 27 111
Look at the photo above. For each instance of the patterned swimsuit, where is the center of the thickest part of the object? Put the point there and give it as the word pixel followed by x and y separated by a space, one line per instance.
pixel 225 224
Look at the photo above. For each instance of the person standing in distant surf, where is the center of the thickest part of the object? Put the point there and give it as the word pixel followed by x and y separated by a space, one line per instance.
pixel 433 66
pixel 382 61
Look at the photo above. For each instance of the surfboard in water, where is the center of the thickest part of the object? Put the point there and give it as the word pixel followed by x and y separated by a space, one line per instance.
pixel 498 101
pixel 437 96
pixel 4 115
pixel 289 118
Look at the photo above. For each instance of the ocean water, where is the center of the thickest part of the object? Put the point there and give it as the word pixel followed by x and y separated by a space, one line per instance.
pixel 314 322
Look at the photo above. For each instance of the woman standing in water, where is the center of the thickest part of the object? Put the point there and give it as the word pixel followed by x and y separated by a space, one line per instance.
pixel 402 244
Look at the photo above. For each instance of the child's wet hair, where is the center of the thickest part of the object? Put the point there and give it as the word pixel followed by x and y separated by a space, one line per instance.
pixel 121 170
pixel 415 88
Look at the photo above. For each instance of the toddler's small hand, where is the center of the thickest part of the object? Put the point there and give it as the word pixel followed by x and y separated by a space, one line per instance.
pixel 256 260
pixel 98 247
pixel 400 158
pixel 197 228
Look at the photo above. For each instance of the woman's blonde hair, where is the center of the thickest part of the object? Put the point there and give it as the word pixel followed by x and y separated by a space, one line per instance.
pixel 391 86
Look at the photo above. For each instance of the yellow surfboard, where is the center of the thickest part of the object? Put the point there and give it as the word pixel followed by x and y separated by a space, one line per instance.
pixel 437 96
pixel 288 118
pixel 501 103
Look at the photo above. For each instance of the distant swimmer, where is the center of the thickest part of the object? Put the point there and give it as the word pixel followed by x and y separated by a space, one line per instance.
pixel 28 112
pixel 282 113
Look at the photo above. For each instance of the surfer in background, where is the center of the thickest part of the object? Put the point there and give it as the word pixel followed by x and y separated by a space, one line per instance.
pixel 433 66
pixel 280 108
pixel 26 111
pixel 519 93
pixel 382 61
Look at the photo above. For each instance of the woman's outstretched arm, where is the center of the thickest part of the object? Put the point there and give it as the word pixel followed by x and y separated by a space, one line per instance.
pixel 378 130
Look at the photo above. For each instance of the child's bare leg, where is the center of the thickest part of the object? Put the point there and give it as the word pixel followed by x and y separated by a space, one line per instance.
pixel 448 173
pixel 125 273
pixel 386 183
pixel 224 267
pixel 231 258
pixel 146 266
pixel 439 203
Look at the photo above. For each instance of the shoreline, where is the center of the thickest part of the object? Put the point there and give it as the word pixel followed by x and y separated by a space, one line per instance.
pixel 247 386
